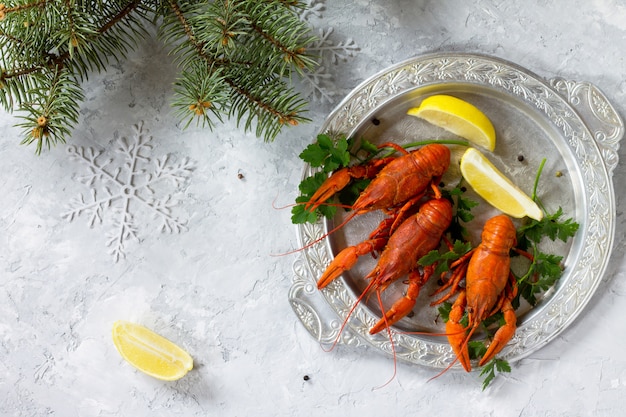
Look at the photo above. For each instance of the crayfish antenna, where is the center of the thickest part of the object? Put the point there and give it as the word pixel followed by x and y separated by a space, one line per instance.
pixel 393 346
pixel 394 146
pixel 345 321
pixel 457 357
pixel 446 369
pixel 432 334
pixel 319 239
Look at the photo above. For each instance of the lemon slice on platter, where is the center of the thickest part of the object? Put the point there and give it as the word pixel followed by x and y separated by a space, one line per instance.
pixel 459 117
pixel 495 188
pixel 149 352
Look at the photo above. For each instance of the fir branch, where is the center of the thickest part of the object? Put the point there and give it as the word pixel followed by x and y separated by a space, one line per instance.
pixel 49 60
pixel 236 58
pixel 220 28
pixel 248 70
pixel 6 10
pixel 54 109
pixel 188 30
pixel 122 14
pixel 198 96
pixel 42 64
pixel 277 31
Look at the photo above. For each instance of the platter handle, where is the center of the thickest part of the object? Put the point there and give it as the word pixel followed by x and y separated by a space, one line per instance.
pixel 599 115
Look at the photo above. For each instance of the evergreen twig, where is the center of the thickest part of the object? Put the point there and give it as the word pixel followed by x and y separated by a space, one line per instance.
pixel 236 58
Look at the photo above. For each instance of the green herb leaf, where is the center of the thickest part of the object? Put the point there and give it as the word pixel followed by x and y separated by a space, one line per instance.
pixel 308 187
pixel 327 154
pixel 462 212
pixel 314 155
pixel 545 269
pixel 368 147
pixel 300 215
pixel 443 260
pixel 444 311
pixel 430 258
pixel 550 226
pixel 476 349
pixel 489 370
pixel 549 269
pixel 542 274
pixel 464 204
pixel 497 317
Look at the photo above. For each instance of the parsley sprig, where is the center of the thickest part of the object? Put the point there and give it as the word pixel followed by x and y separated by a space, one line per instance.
pixel 443 260
pixel 551 226
pixel 489 370
pixel 462 211
pixel 329 155
pixel 545 269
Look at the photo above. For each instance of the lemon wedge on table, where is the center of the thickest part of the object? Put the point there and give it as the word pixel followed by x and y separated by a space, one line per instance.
pixel 149 352
pixel 459 117
pixel 495 188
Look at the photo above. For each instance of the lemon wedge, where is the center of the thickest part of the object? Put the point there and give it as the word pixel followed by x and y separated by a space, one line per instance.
pixel 459 117
pixel 495 188
pixel 149 352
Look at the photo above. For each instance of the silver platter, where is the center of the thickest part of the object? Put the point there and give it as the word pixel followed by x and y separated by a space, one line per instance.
pixel 572 124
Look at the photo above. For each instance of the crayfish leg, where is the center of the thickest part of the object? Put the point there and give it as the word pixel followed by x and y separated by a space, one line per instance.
pixel 453 282
pixel 435 187
pixel 402 213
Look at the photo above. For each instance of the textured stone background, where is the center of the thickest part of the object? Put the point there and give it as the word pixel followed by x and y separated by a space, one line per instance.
pixel 215 288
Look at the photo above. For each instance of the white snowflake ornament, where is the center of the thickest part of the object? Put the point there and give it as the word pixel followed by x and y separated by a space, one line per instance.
pixel 123 190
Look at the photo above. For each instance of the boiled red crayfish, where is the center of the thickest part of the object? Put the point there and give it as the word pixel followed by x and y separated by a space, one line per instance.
pixel 398 184
pixel 401 249
pixel 489 288
pixel 397 181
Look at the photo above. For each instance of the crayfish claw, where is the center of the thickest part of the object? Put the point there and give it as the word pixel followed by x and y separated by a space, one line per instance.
pixel 342 262
pixel 457 333
pixel 336 182
pixel 347 258
pixel 341 178
pixel 404 305
pixel 503 335
pixel 397 312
